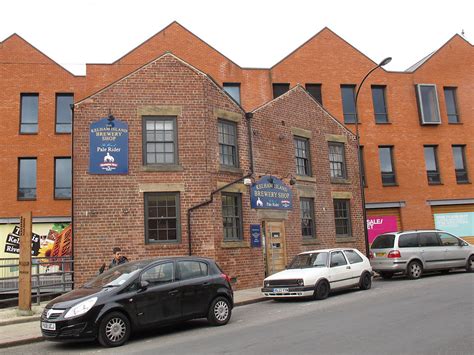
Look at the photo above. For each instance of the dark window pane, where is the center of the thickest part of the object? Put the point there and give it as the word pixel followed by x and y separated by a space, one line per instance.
pixel 361 152
pixel 383 241
pixel 337 162
pixel 27 179
pixel 303 164
pixel 227 135
pixel 348 103
pixel 160 141
pixel 432 164
pixel 353 257
pixel 342 218
pixel 380 108
pixel 315 91
pixel 386 166
pixel 162 216
pixel 460 164
pixel 64 112
pixel 451 106
pixel 29 113
pixel 232 216
pixel 280 89
pixel 408 240
pixel 428 239
pixel 307 217
pixel 62 178
pixel 233 90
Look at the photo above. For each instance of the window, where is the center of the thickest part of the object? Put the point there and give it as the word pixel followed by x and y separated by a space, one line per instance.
pixel 29 113
pixel 337 160
pixel 428 239
pixel 280 89
pixel 431 160
pixel 362 163
pixel 64 113
pixel 27 179
pixel 160 140
pixel 337 259
pixel 448 240
pixel 161 217
pixel 427 99
pixel 315 91
pixel 303 165
pixel 386 166
pixel 460 164
pixel 232 216
pixel 408 240
pixel 348 103
pixel 353 257
pixel 451 104
pixel 227 132
pixel 383 241
pixel 159 274
pixel 342 218
pixel 192 269
pixel 307 217
pixel 380 107
pixel 233 89
pixel 62 178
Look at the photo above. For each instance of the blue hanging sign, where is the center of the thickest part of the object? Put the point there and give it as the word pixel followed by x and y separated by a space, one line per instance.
pixel 108 147
pixel 255 236
pixel 271 193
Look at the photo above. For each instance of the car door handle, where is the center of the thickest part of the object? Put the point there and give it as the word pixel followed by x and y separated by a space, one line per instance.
pixel 173 292
pixel 348 267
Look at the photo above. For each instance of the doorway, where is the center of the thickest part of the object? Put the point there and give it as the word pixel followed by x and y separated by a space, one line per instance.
pixel 275 246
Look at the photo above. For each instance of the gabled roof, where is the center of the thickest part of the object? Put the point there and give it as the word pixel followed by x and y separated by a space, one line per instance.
pixel 26 44
pixel 167 54
pixel 299 87
pixel 426 59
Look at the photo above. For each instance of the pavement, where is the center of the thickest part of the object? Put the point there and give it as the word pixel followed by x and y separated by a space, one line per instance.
pixel 19 330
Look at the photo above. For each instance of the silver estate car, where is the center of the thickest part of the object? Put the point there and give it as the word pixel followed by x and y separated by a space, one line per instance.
pixel 413 252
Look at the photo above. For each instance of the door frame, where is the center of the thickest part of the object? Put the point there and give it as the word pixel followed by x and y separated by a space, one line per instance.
pixel 267 242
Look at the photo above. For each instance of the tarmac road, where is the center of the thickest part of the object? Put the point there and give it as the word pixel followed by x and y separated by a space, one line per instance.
pixel 433 315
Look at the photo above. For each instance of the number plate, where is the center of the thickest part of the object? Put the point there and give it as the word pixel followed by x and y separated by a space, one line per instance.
pixel 281 290
pixel 379 254
pixel 48 326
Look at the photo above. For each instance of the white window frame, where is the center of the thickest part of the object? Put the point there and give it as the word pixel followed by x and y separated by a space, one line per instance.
pixel 420 104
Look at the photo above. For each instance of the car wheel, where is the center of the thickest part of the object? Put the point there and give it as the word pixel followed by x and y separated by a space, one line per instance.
pixel 365 281
pixel 219 312
pixel 322 290
pixel 386 275
pixel 414 270
pixel 470 264
pixel 114 329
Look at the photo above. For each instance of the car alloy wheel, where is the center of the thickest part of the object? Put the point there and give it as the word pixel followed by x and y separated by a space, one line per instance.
pixel 414 270
pixel 219 311
pixel 114 329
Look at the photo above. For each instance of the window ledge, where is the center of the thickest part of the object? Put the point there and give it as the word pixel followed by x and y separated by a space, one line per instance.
pixel 383 123
pixel 29 133
pixel 390 185
pixel 435 183
pixel 163 167
pixel 345 239
pixel 305 178
pixel 26 199
pixel 463 182
pixel 230 169
pixel 62 198
pixel 455 123
pixel 310 242
pixel 340 181
pixel 235 244
pixel 169 244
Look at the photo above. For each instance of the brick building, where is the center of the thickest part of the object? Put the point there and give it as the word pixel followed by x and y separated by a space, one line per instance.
pixel 204 134
pixel 415 125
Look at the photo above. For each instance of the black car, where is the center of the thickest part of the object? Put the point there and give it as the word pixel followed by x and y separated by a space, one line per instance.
pixel 137 295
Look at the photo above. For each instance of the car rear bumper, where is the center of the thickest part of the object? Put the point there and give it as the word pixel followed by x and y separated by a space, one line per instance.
pixel 286 292
pixel 392 265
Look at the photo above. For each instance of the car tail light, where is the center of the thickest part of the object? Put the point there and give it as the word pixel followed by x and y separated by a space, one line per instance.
pixel 394 254
pixel 226 277
pixel 371 255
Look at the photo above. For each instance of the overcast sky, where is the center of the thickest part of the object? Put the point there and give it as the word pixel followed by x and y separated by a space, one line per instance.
pixel 252 33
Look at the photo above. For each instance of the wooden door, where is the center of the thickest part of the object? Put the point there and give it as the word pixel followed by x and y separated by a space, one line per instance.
pixel 275 246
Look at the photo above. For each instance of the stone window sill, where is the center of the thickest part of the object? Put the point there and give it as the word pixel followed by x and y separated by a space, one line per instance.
pixel 310 242
pixel 305 178
pixel 230 169
pixel 164 167
pixel 340 181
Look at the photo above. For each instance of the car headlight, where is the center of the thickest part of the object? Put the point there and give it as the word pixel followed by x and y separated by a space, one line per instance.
pixel 81 308
pixel 300 282
pixel 266 283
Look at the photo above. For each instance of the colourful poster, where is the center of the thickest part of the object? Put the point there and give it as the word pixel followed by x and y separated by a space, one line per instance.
pixel 380 225
pixel 460 224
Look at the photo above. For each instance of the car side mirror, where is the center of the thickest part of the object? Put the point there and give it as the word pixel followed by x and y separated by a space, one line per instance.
pixel 144 285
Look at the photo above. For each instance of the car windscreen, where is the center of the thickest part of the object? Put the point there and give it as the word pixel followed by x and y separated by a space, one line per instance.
pixel 303 261
pixel 383 241
pixel 118 275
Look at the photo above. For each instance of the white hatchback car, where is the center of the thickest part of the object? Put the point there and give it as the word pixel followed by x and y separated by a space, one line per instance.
pixel 318 272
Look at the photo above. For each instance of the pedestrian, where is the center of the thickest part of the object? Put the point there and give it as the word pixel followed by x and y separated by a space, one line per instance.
pixel 117 260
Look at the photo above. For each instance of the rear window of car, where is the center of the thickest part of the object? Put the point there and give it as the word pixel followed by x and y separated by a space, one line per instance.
pixel 383 241
pixel 353 257
pixel 408 240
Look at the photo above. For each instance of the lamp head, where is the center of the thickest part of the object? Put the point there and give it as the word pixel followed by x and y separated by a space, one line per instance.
pixel 385 61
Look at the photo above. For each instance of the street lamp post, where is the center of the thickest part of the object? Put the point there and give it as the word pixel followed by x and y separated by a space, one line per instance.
pixel 359 156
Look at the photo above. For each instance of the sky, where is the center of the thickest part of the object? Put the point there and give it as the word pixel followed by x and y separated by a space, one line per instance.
pixel 251 33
